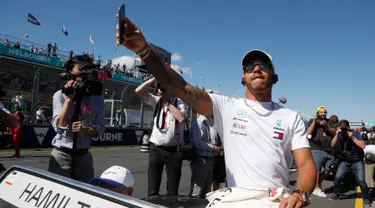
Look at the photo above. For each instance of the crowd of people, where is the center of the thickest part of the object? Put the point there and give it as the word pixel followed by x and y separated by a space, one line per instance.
pixel 123 69
pixel 253 139
pixel 52 50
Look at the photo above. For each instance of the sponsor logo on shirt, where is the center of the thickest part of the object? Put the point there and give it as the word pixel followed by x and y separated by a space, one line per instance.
pixel 238 126
pixel 238 133
pixel 278 133
pixel 238 119
pixel 241 113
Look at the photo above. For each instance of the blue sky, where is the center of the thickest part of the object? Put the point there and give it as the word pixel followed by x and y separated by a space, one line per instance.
pixel 323 51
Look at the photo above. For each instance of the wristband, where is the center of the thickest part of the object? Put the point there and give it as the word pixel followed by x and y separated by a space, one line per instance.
pixel 303 196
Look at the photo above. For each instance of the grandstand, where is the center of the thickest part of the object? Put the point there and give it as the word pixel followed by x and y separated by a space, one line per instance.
pixel 37 76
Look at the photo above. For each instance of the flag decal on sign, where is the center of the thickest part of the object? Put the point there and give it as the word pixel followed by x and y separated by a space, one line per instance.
pixel 278 133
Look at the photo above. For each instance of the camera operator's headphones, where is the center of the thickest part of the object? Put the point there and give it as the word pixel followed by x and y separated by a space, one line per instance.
pixel 275 79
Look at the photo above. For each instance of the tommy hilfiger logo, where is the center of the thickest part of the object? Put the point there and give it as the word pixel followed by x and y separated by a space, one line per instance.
pixel 278 133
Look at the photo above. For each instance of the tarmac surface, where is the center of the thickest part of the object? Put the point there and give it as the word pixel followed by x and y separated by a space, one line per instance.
pixel 137 162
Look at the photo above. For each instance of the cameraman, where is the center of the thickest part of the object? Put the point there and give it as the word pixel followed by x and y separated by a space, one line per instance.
pixel 92 125
pixel 350 147
pixel 321 131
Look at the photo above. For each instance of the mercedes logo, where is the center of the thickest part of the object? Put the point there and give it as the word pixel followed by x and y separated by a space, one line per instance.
pixel 241 113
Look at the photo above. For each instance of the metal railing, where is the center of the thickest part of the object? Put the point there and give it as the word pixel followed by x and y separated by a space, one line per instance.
pixel 26 44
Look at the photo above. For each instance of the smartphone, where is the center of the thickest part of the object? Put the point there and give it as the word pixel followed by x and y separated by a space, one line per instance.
pixel 121 18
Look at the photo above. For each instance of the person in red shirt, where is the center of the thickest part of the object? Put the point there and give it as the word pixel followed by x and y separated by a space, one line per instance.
pixel 17 133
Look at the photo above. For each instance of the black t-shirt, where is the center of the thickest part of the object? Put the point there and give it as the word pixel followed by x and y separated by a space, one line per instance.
pixel 320 137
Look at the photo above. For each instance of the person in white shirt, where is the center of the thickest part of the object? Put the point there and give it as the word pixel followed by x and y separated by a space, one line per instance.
pixel 40 117
pixel 117 179
pixel 167 133
pixel 18 101
pixel 258 135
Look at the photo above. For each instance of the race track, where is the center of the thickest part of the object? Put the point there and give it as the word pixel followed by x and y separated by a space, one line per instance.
pixel 136 162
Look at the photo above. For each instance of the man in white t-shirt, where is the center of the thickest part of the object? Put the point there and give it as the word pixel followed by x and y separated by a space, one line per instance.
pixel 167 133
pixel 258 135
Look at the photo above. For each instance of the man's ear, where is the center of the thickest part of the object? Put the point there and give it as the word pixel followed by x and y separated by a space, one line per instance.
pixel 275 78
pixel 243 82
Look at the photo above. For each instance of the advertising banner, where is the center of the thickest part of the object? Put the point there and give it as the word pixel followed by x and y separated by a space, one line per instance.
pixel 125 78
pixel 38 136
pixel 29 56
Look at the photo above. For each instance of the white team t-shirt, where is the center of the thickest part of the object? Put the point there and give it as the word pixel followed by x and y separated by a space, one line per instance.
pixel 257 149
pixel 167 135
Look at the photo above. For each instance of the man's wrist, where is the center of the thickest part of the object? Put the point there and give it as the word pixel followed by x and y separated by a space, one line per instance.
pixel 301 195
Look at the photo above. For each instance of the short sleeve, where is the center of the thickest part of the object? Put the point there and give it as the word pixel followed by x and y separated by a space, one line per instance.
pixel 4 109
pixel 153 100
pixel 181 105
pixel 299 135
pixel 309 123
pixel 218 105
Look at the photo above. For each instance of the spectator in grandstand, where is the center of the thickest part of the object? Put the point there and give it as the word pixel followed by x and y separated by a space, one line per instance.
pixel 91 125
pixel 32 48
pixel 256 158
pixel 117 179
pixel 203 136
pixel 17 45
pixel 49 48
pixel 54 50
pixel 41 51
pixel 321 131
pixel 169 118
pixel 99 61
pixel 350 145
pixel 6 42
pixel 71 53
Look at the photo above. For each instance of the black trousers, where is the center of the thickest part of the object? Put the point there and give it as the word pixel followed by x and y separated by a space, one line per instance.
pixel 158 157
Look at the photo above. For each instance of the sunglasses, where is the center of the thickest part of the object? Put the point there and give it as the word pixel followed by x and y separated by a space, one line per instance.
pixel 264 66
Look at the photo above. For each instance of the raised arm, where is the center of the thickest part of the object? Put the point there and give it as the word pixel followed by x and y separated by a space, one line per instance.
pixel 199 100
pixel 142 90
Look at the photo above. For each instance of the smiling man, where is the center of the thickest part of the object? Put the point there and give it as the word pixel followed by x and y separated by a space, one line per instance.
pixel 258 135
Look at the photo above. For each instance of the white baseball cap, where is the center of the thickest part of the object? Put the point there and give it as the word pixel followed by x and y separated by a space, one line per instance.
pixel 256 54
pixel 116 176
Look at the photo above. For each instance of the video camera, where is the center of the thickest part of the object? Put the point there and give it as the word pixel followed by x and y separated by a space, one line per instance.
pixel 90 82
pixel 319 118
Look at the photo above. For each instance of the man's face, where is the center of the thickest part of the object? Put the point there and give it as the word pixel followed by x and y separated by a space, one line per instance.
pixel 122 190
pixel 322 113
pixel 260 78
pixel 76 70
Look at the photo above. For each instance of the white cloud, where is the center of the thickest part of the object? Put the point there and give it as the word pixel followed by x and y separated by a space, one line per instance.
pixel 184 70
pixel 176 57
pixel 129 61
